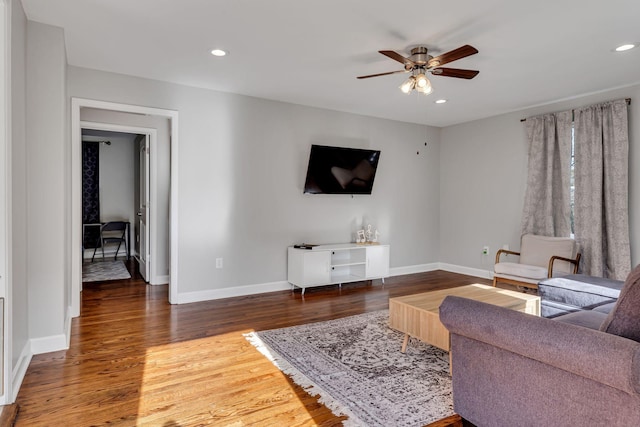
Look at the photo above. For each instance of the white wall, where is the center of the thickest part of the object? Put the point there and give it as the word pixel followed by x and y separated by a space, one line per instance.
pixel 242 164
pixel 484 167
pixel 46 185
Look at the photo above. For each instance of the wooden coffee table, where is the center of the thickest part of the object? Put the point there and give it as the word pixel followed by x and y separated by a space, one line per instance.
pixel 418 315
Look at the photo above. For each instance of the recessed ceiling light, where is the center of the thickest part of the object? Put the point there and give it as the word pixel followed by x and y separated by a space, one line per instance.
pixel 218 52
pixel 625 47
pixel 441 101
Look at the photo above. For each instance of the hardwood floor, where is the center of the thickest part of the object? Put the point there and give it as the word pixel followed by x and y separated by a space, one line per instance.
pixel 134 359
pixel 8 415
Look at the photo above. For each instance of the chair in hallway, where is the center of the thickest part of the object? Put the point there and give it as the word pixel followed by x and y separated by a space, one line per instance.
pixel 112 232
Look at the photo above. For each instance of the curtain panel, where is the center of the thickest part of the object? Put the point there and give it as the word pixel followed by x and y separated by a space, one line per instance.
pixel 90 193
pixel 602 189
pixel 547 208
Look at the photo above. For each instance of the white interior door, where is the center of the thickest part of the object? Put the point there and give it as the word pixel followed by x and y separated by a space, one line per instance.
pixel 142 239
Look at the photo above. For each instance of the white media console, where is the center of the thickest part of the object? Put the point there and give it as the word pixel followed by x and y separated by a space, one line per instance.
pixel 336 264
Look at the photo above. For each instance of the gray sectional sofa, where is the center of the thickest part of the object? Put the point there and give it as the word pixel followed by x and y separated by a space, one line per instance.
pixel 580 368
pixel 577 292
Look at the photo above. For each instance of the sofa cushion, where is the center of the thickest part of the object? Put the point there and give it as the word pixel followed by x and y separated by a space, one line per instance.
pixel 588 319
pixel 521 270
pixel 624 319
pixel 579 290
pixel 552 309
pixel 605 308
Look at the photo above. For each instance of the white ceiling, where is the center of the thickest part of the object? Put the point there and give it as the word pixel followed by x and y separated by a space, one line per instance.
pixel 309 52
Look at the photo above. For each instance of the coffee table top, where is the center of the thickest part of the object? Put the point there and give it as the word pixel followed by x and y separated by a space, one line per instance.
pixel 430 301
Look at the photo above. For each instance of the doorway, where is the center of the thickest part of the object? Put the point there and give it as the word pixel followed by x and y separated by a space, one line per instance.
pixel 115 195
pixel 123 111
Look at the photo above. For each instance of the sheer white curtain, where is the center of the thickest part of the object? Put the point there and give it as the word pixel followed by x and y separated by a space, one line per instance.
pixel 547 208
pixel 601 189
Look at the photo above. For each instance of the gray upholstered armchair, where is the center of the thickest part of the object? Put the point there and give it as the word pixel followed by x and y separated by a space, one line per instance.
pixel 511 368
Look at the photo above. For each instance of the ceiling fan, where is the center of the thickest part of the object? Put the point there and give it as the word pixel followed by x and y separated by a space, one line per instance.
pixel 420 62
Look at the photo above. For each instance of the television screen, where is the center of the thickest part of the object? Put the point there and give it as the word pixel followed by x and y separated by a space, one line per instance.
pixel 337 170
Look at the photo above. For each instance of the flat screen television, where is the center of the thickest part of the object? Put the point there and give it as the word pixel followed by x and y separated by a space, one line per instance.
pixel 338 170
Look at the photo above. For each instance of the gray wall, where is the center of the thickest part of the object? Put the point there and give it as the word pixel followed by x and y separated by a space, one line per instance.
pixel 242 164
pixel 484 167
pixel 20 320
pixel 117 179
pixel 47 197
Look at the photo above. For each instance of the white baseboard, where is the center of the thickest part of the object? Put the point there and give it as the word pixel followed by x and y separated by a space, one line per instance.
pixel 197 296
pixel 17 376
pixel 412 269
pixel 477 272
pixel 49 344
pixel 239 291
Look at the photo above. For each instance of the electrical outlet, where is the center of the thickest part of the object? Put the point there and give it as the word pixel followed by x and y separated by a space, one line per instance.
pixel 485 250
pixel 505 246
pixel 218 262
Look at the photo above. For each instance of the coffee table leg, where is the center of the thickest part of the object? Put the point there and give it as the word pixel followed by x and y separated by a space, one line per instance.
pixel 404 343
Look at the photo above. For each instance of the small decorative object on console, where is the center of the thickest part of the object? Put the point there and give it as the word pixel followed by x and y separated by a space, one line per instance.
pixel 368 236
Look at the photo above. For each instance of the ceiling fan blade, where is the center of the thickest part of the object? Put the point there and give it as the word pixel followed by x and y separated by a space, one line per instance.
pixel 382 74
pixel 455 72
pixel 397 57
pixel 454 55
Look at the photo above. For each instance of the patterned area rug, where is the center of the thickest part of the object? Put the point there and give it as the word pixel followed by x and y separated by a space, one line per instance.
pixel 356 367
pixel 104 270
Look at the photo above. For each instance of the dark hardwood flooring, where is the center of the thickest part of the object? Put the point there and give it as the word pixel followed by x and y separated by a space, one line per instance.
pixel 134 359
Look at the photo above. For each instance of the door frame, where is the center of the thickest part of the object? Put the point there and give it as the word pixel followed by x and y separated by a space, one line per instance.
pixel 76 191
pixel 152 177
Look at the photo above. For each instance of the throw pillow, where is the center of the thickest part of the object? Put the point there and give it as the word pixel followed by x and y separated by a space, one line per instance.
pixel 624 319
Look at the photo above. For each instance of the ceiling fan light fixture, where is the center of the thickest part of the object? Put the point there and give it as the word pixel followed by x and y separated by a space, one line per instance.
pixel 420 63
pixel 426 90
pixel 423 85
pixel 408 85
pixel 422 80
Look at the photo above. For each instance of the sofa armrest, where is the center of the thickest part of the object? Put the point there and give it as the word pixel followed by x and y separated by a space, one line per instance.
pixel 602 357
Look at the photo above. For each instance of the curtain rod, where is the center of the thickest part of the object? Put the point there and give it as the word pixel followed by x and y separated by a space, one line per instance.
pixel 626 99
